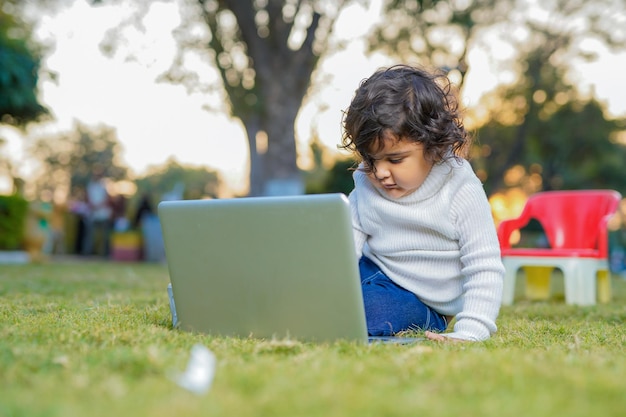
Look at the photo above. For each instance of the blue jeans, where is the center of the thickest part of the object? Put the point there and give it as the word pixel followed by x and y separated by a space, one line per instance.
pixel 390 308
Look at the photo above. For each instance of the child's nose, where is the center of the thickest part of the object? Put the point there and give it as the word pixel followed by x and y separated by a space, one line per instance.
pixel 381 171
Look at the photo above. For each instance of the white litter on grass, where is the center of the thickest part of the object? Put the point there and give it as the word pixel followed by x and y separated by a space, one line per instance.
pixel 200 371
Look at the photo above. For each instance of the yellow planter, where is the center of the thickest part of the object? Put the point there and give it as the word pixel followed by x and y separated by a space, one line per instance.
pixel 126 246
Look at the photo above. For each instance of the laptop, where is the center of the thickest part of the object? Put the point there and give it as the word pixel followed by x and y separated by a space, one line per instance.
pixel 265 267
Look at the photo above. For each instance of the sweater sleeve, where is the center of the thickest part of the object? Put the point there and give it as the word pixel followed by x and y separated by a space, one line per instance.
pixel 482 267
pixel 359 235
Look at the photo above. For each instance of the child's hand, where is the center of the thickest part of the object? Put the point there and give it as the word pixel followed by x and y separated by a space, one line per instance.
pixel 441 338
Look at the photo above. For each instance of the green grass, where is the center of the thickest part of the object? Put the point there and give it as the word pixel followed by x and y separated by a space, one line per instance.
pixel 94 339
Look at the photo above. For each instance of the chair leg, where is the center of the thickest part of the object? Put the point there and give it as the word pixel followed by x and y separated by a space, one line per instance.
pixel 571 283
pixel 580 283
pixel 604 286
pixel 538 282
pixel 586 281
pixel 510 276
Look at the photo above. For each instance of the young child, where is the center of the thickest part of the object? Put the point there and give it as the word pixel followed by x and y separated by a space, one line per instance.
pixel 423 227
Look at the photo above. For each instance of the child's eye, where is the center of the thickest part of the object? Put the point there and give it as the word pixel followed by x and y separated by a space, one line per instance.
pixel 396 161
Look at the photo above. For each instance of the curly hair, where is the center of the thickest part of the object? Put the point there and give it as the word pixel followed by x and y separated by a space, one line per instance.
pixel 405 102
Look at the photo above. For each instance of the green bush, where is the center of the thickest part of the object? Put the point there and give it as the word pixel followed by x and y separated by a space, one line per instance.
pixel 13 210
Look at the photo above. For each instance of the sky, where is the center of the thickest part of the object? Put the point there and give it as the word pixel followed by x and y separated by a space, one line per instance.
pixel 156 121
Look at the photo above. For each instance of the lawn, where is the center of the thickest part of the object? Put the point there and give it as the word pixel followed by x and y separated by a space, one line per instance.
pixel 95 339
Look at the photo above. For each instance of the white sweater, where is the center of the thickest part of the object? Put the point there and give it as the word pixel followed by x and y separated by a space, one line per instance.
pixel 438 242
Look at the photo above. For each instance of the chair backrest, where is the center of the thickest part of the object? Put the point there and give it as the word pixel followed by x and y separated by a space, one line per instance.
pixel 572 219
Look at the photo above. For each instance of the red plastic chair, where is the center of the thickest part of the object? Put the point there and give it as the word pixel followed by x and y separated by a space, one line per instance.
pixel 575 224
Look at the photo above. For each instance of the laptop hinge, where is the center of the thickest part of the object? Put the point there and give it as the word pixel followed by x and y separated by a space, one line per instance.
pixel 170 294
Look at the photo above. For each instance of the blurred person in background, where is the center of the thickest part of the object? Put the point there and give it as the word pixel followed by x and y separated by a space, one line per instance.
pixel 98 215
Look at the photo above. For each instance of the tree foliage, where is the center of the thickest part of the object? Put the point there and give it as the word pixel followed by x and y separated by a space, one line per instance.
pixel 574 147
pixel 551 47
pixel 69 158
pixel 20 61
pixel 191 182
pixel 324 179
pixel 336 179
pixel 442 33
pixel 539 122
pixel 436 33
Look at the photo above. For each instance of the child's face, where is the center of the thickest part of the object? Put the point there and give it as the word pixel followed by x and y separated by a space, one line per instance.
pixel 399 167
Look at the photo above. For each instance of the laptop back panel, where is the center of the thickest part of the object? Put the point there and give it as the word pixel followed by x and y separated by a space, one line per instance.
pixel 267 267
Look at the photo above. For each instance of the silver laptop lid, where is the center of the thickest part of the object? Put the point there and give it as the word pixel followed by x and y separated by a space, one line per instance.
pixel 266 267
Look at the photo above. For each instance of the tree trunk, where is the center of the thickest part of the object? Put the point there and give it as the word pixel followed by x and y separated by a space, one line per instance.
pixel 253 127
pixel 280 171
pixel 281 72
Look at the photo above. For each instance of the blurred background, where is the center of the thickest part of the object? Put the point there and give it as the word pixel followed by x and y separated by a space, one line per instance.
pixel 108 107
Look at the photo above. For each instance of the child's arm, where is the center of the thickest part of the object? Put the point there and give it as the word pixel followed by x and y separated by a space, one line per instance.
pixel 481 264
pixel 359 236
